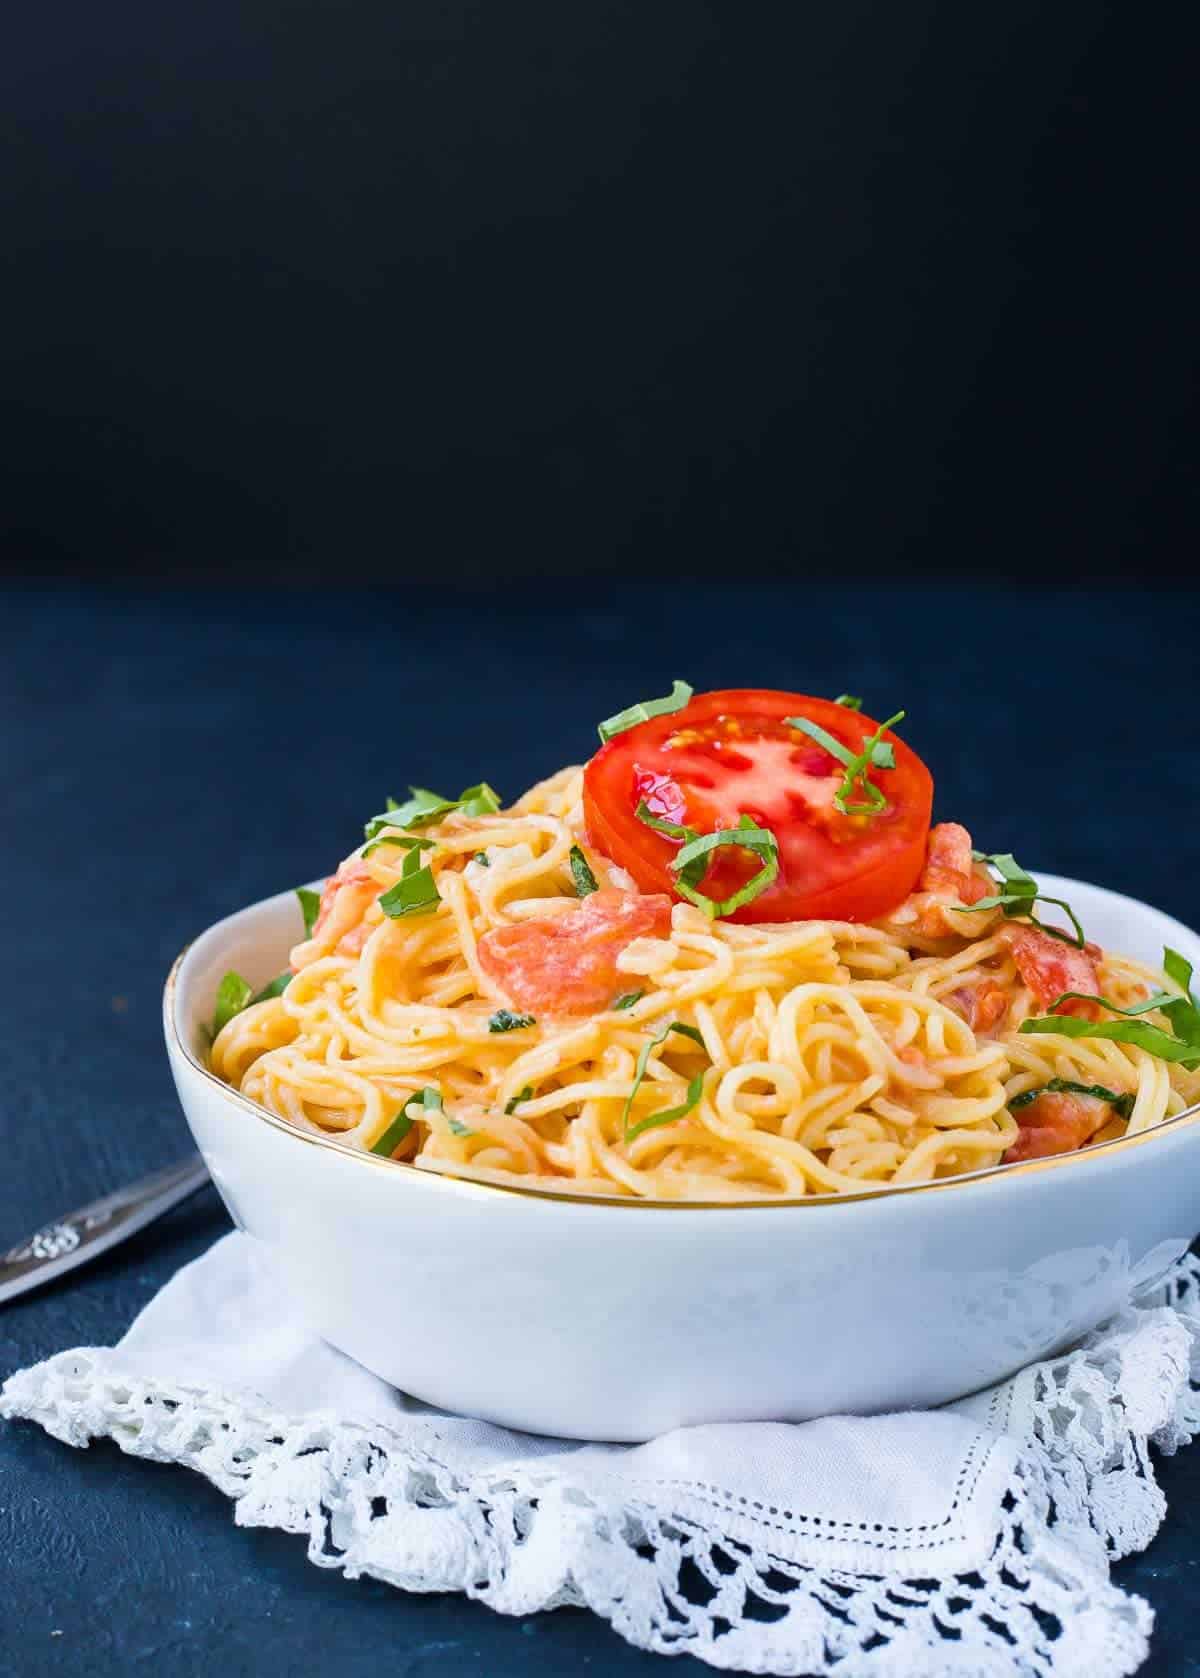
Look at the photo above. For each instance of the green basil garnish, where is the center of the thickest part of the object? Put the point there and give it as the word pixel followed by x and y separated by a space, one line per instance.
pixel 1178 968
pixel 521 1095
pixel 479 800
pixel 1018 901
pixel 1148 1037
pixel 746 835
pixel 585 880
pixel 661 825
pixel 628 1000
pixel 425 807
pixel 694 1091
pixel 233 994
pixel 690 863
pixel 427 1100
pixel 503 1020
pixel 645 709
pixel 875 753
pixel 457 1128
pixel 418 811
pixel 414 893
pixel 827 741
pixel 410 841
pixel 482 858
pixel 1123 1104
pixel 850 700
pixel 1181 1045
pixel 310 908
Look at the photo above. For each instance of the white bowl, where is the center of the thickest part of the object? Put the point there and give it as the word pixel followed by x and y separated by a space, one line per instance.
pixel 616 1319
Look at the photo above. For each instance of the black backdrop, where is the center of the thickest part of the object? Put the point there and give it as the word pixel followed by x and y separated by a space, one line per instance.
pixel 501 290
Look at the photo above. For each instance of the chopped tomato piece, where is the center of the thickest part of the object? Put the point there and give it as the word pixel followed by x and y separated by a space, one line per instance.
pixel 950 866
pixel 347 896
pixel 951 877
pixel 1057 1124
pixel 567 964
pixel 739 753
pixel 982 1006
pixel 1049 967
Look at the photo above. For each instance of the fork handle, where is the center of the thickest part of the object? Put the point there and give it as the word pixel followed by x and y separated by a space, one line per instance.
pixel 79 1237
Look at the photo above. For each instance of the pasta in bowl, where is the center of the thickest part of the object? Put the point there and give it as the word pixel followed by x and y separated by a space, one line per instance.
pixel 529 1142
pixel 486 991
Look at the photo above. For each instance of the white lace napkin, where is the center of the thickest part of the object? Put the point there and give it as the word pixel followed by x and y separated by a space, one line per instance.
pixel 951 1544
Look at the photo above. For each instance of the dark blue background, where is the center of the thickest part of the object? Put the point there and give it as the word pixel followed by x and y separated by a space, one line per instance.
pixel 535 288
pixel 168 759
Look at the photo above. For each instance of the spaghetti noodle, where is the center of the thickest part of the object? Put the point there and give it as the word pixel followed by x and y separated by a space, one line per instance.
pixel 728 1059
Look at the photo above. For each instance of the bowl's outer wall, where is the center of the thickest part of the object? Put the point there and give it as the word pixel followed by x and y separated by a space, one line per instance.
pixel 620 1322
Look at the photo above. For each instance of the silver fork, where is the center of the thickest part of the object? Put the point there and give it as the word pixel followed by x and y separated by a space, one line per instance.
pixel 81 1236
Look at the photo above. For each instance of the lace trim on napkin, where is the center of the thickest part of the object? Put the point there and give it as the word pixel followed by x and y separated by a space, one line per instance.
pixel 1082 1492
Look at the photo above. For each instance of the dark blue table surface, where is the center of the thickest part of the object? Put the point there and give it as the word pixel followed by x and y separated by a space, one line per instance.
pixel 167 759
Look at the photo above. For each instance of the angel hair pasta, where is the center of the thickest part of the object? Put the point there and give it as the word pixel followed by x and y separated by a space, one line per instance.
pixel 729 960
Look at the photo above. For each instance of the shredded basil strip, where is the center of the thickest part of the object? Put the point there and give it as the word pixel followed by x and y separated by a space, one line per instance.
pixel 747 835
pixel 479 800
pixel 645 709
pixel 693 872
pixel 1019 900
pixel 233 994
pixel 850 700
pixel 429 1100
pixel 482 858
pixel 414 893
pixel 690 873
pixel 875 753
pixel 1161 999
pixel 1181 1012
pixel 1178 968
pixel 457 1128
pixel 1123 1104
pixel 671 829
pixel 1020 905
pixel 628 1000
pixel 1141 1035
pixel 695 1088
pixel 524 1094
pixel 276 988
pixel 418 811
pixel 410 841
pixel 392 1136
pixel 585 880
pixel 823 738
pixel 503 1020
pixel 425 807
pixel 690 862
pixel 310 908
pixel 694 1091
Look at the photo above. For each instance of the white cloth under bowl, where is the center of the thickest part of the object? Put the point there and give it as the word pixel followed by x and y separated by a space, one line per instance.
pixel 960 1543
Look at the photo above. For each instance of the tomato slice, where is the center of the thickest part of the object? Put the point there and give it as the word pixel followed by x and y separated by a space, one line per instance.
pixel 732 753
pixel 567 964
